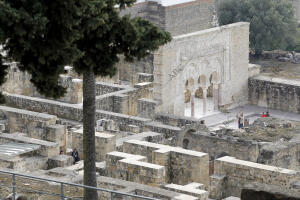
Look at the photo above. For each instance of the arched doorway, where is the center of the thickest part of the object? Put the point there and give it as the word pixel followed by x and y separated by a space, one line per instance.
pixel 185 143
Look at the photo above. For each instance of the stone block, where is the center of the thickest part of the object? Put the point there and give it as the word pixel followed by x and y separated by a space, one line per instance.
pixel 105 143
pixel 175 160
pixel 146 108
pixel 190 189
pixel 56 133
pixel 60 161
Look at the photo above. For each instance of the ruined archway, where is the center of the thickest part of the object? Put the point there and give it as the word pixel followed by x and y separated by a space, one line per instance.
pixel 187 132
pixel 185 143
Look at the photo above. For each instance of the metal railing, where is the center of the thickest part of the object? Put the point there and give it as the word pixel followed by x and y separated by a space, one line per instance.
pixel 62 184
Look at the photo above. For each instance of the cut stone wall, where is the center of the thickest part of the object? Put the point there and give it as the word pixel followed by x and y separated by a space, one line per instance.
pixel 25 121
pixel 239 174
pixel 18 82
pixel 134 168
pixel 193 189
pixel 275 93
pixel 74 112
pixel 105 88
pixel 182 166
pixel 104 142
pixel 246 150
pixel 176 18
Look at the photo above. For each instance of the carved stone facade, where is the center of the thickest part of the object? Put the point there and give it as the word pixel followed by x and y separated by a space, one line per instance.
pixel 215 58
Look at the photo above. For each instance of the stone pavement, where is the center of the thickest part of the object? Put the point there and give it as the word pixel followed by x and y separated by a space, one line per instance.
pixel 248 111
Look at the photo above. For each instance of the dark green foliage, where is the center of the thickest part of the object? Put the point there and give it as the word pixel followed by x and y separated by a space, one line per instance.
pixel 44 36
pixel 113 35
pixel 272 22
pixel 40 36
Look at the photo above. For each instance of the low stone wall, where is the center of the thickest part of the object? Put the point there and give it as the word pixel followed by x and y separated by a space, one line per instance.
pixel 193 189
pixel 65 110
pixel 47 149
pixel 25 121
pixel 134 168
pixel 285 155
pixel 182 166
pixel 275 93
pixel 18 82
pixel 175 120
pixel 105 88
pixel 238 174
pixel 198 141
pixel 104 142
pixel 124 101
pixel 74 112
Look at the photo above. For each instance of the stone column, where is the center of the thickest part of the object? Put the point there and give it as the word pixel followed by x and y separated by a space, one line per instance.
pixel 204 100
pixel 216 96
pixel 193 104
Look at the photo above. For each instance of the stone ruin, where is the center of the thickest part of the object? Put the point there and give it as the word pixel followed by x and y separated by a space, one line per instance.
pixel 159 130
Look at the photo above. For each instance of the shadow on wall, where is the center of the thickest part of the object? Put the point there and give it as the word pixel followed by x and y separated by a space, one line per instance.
pixel 261 195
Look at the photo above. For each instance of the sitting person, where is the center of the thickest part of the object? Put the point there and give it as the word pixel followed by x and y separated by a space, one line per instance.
pixel 75 155
pixel 263 115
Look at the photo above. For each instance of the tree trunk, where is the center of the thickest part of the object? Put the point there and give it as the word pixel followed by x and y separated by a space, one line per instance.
pixel 89 111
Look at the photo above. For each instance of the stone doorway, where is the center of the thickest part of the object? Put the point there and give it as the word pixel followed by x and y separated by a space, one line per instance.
pixel 202 96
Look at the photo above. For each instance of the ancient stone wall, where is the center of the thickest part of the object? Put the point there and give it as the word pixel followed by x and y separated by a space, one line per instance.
pixel 25 121
pixel 182 166
pixel 134 168
pixel 67 111
pixel 74 112
pixel 176 18
pixel 204 142
pixel 124 101
pixel 281 154
pixel 105 88
pixel 239 174
pixel 130 72
pixel 275 93
pixel 18 82
pixel 104 142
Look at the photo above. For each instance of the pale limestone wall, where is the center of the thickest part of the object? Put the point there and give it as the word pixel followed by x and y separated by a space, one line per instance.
pixel 193 189
pixel 238 174
pixel 26 121
pixel 124 101
pixel 18 82
pixel 105 143
pixel 182 166
pixel 223 51
pixel 275 93
pixel 178 18
pixel 134 168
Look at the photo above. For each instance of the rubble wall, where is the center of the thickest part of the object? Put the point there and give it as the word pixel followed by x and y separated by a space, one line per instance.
pixel 274 93
pixel 240 174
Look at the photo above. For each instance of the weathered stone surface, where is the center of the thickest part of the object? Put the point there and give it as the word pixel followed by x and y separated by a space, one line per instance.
pixel 175 160
pixel 60 161
pixel 105 143
pixel 239 174
pixel 275 93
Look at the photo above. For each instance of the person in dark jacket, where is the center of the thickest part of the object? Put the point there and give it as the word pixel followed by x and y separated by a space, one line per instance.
pixel 75 155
